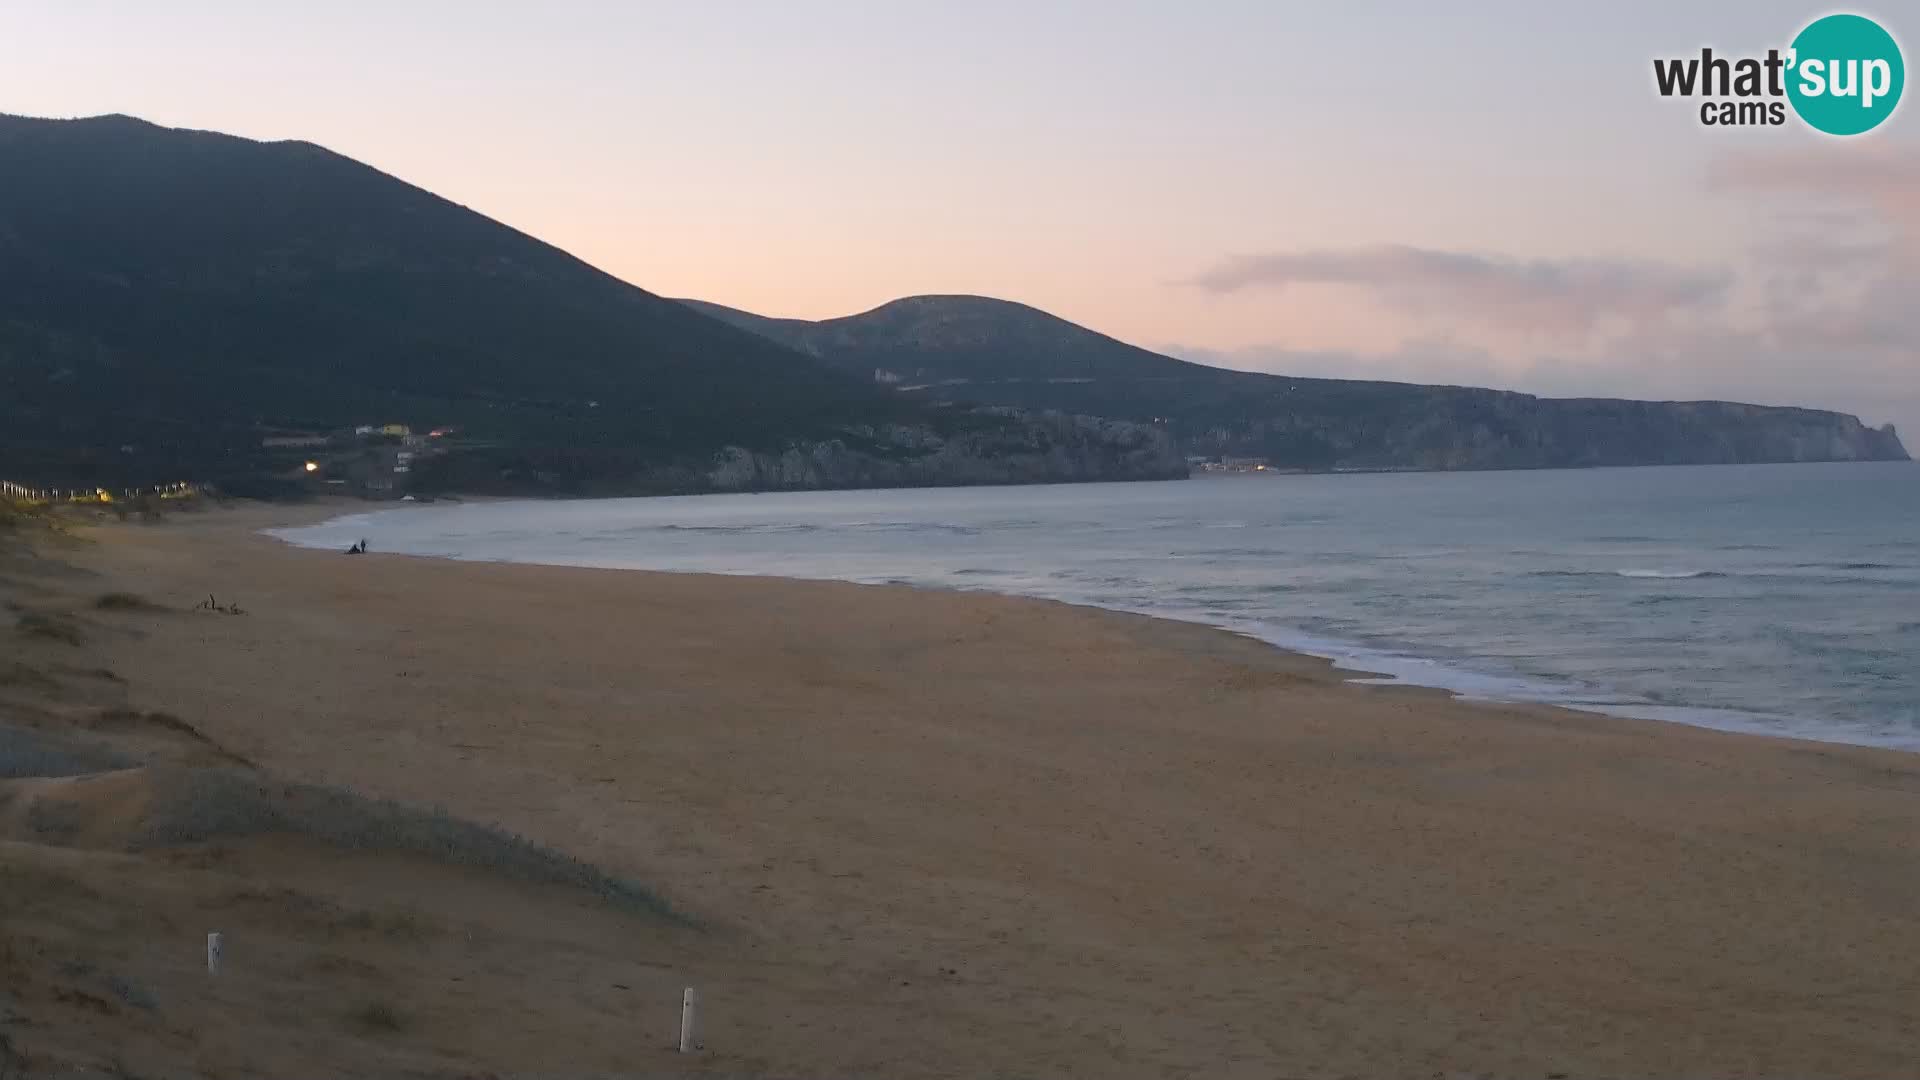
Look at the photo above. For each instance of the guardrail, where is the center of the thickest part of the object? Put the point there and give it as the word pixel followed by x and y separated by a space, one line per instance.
pixel 27 493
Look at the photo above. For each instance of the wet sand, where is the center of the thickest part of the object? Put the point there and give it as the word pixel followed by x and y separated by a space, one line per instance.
pixel 947 834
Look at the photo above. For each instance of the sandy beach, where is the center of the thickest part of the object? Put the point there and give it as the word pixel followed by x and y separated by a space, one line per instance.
pixel 923 834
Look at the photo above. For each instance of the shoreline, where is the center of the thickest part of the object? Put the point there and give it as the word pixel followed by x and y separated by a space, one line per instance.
pixel 1356 662
pixel 954 833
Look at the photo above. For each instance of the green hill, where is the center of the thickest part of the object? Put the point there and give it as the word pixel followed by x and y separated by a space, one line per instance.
pixel 167 295
pixel 980 350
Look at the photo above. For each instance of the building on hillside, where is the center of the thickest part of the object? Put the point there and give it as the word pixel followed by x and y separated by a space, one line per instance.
pixel 287 440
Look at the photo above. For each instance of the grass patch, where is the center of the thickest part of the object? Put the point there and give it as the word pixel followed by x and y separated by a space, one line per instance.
pixel 378 1017
pixel 55 822
pixel 133 718
pixel 393 924
pixel 15 674
pixel 13 515
pixel 24 753
pixel 35 624
pixel 132 993
pixel 125 601
pixel 196 806
pixel 100 673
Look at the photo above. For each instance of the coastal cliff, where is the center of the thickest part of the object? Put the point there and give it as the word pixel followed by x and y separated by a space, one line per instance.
pixel 1049 448
pixel 1405 427
pixel 974 349
pixel 974 447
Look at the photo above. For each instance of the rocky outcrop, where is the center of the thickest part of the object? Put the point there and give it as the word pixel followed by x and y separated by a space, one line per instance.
pixel 973 349
pixel 1027 449
pixel 958 448
pixel 1459 428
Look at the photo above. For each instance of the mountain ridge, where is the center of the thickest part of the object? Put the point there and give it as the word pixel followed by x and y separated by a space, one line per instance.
pixel 165 294
pixel 1296 422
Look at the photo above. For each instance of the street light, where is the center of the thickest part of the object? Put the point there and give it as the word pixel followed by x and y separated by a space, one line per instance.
pixel 313 466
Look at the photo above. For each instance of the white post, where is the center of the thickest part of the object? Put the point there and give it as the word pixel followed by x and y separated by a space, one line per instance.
pixel 213 954
pixel 690 1021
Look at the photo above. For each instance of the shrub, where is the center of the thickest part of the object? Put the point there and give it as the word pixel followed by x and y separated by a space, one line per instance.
pixel 132 993
pixel 200 805
pixel 25 753
pixel 33 624
pixel 377 1016
pixel 14 673
pixel 125 601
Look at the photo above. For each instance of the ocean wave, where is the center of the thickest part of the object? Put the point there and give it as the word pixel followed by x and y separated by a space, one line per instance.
pixel 1662 575
pixel 741 530
pixel 1848 566
pixel 1657 599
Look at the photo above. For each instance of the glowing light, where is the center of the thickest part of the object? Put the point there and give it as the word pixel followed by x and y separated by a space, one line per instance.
pixel 313 466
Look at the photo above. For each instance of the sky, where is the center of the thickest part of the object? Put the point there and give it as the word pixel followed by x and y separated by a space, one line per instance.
pixel 1480 193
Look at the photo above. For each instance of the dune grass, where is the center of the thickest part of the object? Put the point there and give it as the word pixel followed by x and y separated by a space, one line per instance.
pixel 24 676
pixel 378 1017
pixel 125 601
pixel 35 624
pixel 25 753
pixel 194 806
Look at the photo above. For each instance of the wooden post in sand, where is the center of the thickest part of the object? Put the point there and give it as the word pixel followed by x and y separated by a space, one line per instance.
pixel 213 954
pixel 690 1021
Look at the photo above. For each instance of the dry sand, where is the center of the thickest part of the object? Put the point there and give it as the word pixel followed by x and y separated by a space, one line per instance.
pixel 942 834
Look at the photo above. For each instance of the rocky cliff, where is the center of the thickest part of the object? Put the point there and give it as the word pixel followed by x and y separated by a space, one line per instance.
pixel 1463 428
pixel 1046 448
pixel 982 446
pixel 977 349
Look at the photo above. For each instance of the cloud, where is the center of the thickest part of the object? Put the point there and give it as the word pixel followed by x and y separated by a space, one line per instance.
pixel 1819 310
pixel 1704 365
pixel 1880 177
pixel 1840 260
pixel 1535 296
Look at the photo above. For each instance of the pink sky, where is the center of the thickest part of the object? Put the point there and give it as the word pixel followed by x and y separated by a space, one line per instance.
pixel 1491 195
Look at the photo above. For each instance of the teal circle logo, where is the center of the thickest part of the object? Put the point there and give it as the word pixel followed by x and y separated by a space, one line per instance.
pixel 1846 74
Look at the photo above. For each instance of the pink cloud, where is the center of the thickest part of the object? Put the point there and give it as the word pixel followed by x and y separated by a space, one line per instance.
pixel 1538 296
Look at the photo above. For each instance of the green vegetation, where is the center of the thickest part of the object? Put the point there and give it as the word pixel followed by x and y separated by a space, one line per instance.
pixel 196 806
pixel 15 674
pixel 171 295
pixel 47 627
pixel 980 351
pixel 167 293
pixel 125 601
pixel 393 924
pixel 26 753
pixel 377 1017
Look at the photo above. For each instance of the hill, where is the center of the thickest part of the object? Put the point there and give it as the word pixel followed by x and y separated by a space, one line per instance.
pixel 166 296
pixel 977 349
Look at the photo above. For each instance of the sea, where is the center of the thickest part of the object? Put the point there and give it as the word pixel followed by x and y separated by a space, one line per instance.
pixel 1780 599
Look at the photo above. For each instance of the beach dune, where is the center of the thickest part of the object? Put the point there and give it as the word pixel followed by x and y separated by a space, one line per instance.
pixel 947 834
